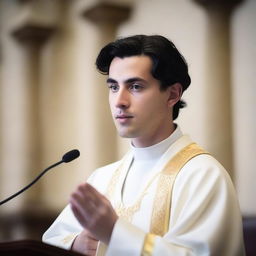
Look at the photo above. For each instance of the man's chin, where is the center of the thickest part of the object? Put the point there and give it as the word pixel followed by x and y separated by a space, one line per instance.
pixel 126 135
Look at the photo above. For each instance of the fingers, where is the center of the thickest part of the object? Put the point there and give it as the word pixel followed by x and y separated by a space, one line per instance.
pixel 78 213
pixel 84 202
pixel 93 211
pixel 86 194
pixel 85 243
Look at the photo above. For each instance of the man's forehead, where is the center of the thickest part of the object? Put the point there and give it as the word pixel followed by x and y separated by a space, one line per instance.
pixel 132 59
pixel 127 67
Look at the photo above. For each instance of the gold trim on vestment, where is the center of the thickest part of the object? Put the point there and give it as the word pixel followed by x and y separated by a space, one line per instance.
pixel 162 202
pixel 148 245
pixel 101 249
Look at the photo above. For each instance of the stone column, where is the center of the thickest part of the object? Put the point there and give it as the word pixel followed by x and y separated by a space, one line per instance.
pixel 23 35
pixel 218 86
pixel 106 17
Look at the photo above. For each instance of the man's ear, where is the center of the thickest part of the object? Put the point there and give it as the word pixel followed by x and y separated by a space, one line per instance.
pixel 175 93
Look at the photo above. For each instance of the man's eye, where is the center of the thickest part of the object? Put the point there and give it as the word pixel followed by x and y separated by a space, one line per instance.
pixel 136 87
pixel 113 87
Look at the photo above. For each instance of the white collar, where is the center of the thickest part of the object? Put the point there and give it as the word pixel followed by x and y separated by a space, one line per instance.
pixel 156 150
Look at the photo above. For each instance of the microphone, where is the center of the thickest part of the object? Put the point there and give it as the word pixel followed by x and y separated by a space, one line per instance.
pixel 68 157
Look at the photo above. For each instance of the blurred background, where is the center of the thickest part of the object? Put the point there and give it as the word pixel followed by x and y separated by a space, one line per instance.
pixel 52 99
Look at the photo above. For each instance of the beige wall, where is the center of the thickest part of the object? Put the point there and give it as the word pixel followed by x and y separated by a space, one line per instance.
pixel 244 103
pixel 72 109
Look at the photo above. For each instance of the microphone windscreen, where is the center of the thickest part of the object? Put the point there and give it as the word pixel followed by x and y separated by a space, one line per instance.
pixel 71 155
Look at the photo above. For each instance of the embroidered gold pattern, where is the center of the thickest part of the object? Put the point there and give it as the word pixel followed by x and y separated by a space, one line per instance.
pixel 126 212
pixel 112 184
pixel 163 195
pixel 162 202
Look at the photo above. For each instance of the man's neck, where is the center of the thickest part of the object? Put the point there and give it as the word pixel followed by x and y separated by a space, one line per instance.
pixel 152 140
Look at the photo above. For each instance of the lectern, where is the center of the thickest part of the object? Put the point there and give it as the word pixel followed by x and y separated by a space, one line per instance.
pixel 33 248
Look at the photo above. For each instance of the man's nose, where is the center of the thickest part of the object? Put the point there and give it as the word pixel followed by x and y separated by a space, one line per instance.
pixel 122 99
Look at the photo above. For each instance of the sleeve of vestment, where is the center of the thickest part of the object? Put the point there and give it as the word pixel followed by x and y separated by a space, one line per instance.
pixel 64 230
pixel 204 218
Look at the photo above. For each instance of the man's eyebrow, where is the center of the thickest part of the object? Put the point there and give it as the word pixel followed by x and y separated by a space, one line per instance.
pixel 111 81
pixel 129 80
pixel 134 79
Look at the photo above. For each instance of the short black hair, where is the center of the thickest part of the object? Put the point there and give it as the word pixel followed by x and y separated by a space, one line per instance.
pixel 169 66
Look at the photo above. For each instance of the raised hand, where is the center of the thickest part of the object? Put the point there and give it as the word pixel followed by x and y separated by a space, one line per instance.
pixel 94 212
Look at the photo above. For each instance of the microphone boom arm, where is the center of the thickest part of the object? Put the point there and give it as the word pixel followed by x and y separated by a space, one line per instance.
pixel 31 183
pixel 68 157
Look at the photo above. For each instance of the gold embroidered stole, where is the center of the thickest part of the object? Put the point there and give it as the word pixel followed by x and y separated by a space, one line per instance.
pixel 162 202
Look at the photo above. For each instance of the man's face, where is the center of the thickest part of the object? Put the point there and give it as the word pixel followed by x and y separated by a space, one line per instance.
pixel 140 110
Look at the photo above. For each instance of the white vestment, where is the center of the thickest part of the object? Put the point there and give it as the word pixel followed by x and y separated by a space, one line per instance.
pixel 204 217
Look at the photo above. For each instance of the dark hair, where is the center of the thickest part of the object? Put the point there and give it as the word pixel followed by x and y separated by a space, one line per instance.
pixel 169 66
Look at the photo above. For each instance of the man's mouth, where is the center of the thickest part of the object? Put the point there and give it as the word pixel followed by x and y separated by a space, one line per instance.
pixel 122 118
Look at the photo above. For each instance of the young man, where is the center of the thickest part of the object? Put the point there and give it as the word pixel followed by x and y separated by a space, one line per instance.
pixel 167 196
